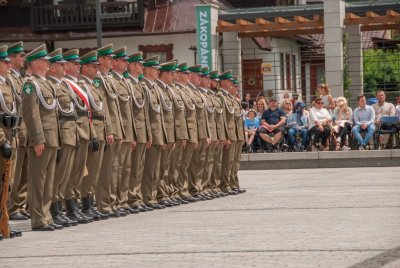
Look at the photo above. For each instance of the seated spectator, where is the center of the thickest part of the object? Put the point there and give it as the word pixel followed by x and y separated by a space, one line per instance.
pixel 320 125
pixel 383 108
pixel 298 125
pixel 398 106
pixel 251 125
pixel 342 123
pixel 364 120
pixel 245 109
pixel 261 107
pixel 247 99
pixel 272 123
pixel 287 107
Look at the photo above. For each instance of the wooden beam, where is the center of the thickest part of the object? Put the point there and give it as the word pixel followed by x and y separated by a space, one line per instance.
pixel 281 33
pixel 273 26
pixel 351 16
pixel 378 27
pixel 243 22
pixel 281 20
pixel 317 18
pixel 391 13
pixel 300 19
pixel 371 14
pixel 371 20
pixel 223 23
pixel 262 21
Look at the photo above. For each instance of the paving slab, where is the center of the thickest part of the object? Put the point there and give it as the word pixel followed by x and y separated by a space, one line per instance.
pixel 288 218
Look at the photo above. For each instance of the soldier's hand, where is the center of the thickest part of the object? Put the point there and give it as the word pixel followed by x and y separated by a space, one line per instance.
pixel 196 145
pixel 184 144
pixel 208 142
pixel 39 149
pixel 227 144
pixel 6 150
pixel 110 139
pixel 148 145
pixel 94 145
pixel 133 145
pixel 59 156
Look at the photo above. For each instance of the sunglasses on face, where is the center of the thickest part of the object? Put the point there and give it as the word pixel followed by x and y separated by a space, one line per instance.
pixel 320 102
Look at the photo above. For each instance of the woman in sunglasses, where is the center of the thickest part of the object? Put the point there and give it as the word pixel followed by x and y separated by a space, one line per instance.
pixel 342 120
pixel 320 125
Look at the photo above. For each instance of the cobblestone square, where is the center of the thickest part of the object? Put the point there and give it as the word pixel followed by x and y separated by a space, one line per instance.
pixel 287 218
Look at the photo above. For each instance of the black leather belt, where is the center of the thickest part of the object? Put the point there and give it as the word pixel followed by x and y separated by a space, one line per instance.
pixel 67 117
pixel 10 121
pixel 98 117
pixel 83 113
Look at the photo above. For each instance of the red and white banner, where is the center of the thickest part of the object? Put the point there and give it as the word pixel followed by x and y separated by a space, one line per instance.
pixel 81 94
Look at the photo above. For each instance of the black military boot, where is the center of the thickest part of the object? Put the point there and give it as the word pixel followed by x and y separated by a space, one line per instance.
pixel 57 219
pixel 78 207
pixel 73 214
pixel 61 211
pixel 95 211
pixel 87 210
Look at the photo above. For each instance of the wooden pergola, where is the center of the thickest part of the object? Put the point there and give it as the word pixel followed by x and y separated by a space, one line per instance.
pixel 281 26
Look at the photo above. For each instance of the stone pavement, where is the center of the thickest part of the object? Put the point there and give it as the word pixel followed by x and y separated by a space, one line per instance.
pixel 287 218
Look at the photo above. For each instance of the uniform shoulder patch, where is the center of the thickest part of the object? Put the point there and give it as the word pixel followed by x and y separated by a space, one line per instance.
pixel 97 82
pixel 28 88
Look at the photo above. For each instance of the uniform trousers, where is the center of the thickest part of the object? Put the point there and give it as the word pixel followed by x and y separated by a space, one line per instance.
pixel 63 170
pixel 93 164
pixel 183 172
pixel 234 179
pixel 40 185
pixel 208 167
pixel 135 197
pixel 18 195
pixel 215 179
pixel 164 189
pixel 196 168
pixel 107 176
pixel 151 176
pixel 124 175
pixel 226 168
pixel 174 166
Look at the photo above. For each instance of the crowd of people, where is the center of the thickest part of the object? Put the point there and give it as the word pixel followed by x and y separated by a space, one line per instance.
pixel 106 134
pixel 327 124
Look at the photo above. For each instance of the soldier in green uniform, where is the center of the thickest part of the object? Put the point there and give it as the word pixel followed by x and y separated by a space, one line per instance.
pixel 39 111
pixel 18 196
pixel 151 177
pixel 165 78
pixel 86 133
pixel 143 131
pixel 105 82
pixel 192 143
pixel 128 144
pixel 196 167
pixel 68 131
pixel 8 123
pixel 205 84
pixel 229 149
pixel 100 118
pixel 181 138
pixel 238 145
pixel 220 120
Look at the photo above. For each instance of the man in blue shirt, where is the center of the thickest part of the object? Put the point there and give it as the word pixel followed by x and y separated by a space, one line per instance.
pixel 272 122
pixel 364 120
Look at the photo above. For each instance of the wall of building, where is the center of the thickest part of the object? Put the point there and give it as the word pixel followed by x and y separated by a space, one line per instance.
pixel 272 80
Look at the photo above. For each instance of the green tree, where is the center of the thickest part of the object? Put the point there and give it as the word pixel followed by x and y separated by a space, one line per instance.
pixel 381 70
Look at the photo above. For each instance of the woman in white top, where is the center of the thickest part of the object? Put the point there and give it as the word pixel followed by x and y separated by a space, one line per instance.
pixel 261 106
pixel 325 95
pixel 320 125
pixel 342 120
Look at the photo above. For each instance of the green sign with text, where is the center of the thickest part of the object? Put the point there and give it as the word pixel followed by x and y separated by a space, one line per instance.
pixel 203 32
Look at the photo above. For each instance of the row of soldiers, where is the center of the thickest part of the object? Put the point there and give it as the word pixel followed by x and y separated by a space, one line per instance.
pixel 106 134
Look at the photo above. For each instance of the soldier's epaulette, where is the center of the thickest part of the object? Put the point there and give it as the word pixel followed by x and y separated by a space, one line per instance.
pixel 81 81
pixel 219 94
